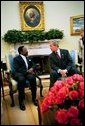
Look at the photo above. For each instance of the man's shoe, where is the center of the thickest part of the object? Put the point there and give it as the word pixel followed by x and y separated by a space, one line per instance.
pixel 22 106
pixel 35 102
pixel 12 105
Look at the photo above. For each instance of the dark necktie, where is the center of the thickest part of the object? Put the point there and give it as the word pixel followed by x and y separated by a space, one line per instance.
pixel 57 55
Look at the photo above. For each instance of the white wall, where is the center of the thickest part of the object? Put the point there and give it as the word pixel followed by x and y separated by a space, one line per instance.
pixel 10 17
pixel 57 15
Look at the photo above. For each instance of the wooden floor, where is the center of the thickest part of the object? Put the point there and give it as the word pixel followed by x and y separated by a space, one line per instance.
pixel 14 116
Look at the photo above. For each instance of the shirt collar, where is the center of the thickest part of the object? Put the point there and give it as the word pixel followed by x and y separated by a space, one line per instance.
pixel 22 56
pixel 58 50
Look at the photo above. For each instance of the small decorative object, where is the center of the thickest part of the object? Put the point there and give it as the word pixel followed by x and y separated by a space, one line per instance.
pixel 76 23
pixel 32 15
pixel 65 101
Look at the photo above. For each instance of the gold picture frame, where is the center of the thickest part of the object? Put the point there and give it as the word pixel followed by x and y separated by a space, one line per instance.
pixel 32 15
pixel 76 24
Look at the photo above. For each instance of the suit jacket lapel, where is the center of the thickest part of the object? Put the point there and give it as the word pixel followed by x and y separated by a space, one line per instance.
pixel 56 57
pixel 21 60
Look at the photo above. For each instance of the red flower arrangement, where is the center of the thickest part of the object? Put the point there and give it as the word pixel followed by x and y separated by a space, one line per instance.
pixel 66 99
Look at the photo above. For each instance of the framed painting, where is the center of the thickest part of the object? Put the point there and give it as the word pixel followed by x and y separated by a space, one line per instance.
pixel 32 15
pixel 76 24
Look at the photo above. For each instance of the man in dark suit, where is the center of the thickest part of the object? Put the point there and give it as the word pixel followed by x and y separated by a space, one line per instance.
pixel 24 68
pixel 61 63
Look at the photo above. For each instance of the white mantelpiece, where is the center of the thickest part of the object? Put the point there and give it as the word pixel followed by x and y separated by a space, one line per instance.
pixel 36 48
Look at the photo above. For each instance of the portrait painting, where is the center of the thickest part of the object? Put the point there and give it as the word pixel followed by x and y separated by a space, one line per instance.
pixel 32 15
pixel 76 24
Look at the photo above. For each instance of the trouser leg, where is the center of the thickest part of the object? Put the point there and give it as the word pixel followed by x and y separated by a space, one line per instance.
pixel 72 71
pixel 32 80
pixel 53 77
pixel 21 86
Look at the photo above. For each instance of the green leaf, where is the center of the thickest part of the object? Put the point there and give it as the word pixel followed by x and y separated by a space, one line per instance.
pixel 15 36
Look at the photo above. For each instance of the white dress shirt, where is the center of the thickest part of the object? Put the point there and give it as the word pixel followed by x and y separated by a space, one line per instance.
pixel 25 60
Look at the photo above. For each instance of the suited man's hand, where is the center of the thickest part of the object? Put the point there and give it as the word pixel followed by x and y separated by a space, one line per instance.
pixel 63 72
pixel 30 71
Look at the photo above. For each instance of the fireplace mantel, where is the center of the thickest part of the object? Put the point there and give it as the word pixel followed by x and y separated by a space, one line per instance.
pixel 36 48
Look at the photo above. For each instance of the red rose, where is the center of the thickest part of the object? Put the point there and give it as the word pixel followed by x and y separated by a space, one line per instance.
pixel 73 95
pixel 59 100
pixel 58 84
pixel 73 112
pixel 50 98
pixel 50 94
pixel 44 107
pixel 46 103
pixel 61 95
pixel 81 104
pixel 69 81
pixel 63 92
pixel 81 93
pixel 53 90
pixel 75 122
pixel 77 77
pixel 81 85
pixel 61 116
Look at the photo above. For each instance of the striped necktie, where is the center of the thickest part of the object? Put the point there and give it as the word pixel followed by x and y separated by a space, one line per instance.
pixel 57 55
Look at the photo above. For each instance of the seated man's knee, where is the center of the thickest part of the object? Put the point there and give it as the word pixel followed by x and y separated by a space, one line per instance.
pixel 21 79
pixel 53 73
pixel 74 70
pixel 53 77
pixel 31 77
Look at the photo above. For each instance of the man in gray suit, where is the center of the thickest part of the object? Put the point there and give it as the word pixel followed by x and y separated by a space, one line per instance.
pixel 61 63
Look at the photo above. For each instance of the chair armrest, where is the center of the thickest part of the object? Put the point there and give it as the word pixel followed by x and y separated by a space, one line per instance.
pixel 11 81
pixel 78 64
pixel 14 84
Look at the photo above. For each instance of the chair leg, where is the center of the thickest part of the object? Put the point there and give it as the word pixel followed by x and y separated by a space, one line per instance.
pixel 81 69
pixel 10 89
pixel 39 113
pixel 11 94
pixel 12 99
pixel 41 86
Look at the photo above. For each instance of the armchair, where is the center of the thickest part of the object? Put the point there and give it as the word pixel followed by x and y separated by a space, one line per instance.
pixel 13 83
pixel 74 56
